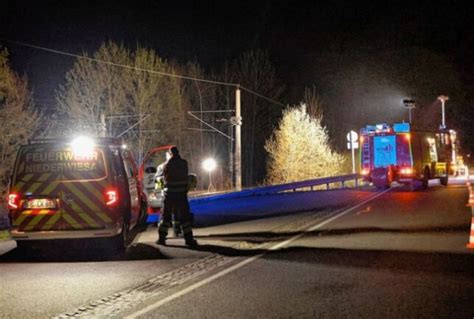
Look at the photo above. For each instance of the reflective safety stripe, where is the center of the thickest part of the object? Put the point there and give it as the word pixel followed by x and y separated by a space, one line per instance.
pixel 51 187
pixel 187 228
pixel 24 214
pixel 176 190
pixel 71 221
pixel 51 222
pixel 31 225
pixel 165 224
pixel 22 182
pixel 79 194
pixel 39 182
pixel 87 206
pixel 5 235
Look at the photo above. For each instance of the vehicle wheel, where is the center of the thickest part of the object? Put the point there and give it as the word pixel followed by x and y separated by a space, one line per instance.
pixel 444 180
pixel 426 178
pixel 143 214
pixel 121 241
pixel 389 177
pixel 380 178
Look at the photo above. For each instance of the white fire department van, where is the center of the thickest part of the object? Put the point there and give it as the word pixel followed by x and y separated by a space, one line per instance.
pixel 84 188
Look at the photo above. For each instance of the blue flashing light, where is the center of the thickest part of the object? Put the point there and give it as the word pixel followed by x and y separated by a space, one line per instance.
pixel 382 128
pixel 368 129
pixel 401 127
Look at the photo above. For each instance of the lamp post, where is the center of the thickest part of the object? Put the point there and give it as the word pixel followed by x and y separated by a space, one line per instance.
pixel 209 165
pixel 443 99
pixel 409 104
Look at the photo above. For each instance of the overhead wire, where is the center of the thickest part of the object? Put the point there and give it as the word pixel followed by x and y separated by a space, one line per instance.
pixel 125 66
pixel 262 96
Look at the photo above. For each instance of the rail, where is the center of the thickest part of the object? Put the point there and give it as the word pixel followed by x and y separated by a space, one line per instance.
pixel 274 189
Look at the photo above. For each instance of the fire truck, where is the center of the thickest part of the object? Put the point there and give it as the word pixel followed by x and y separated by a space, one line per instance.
pixel 405 155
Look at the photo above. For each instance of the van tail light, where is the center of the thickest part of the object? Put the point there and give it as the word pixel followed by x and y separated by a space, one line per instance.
pixel 406 171
pixel 13 200
pixel 111 197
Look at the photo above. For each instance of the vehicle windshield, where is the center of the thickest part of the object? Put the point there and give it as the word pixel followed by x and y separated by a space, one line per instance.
pixel 59 163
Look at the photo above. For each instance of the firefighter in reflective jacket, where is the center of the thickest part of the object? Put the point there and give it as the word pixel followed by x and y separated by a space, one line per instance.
pixel 175 178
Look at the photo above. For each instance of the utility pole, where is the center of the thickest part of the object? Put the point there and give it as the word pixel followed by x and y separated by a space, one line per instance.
pixel 231 157
pixel 409 104
pixel 238 141
pixel 102 126
pixel 443 99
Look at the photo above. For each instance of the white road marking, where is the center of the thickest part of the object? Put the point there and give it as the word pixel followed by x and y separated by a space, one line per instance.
pixel 241 264
pixel 6 246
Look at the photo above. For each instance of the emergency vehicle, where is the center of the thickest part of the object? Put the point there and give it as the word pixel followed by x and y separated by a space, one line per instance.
pixel 402 154
pixel 84 188
pixel 147 175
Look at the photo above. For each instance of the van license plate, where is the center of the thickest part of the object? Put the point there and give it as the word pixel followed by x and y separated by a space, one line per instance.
pixel 43 203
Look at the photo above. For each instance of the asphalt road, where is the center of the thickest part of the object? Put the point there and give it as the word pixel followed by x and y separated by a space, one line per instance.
pixel 397 254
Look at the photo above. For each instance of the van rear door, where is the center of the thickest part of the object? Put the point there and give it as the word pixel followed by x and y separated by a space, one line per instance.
pixel 60 190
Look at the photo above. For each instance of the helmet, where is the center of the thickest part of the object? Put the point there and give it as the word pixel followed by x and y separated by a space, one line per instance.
pixel 173 150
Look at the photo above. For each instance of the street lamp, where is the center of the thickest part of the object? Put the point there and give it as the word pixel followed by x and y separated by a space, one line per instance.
pixel 443 99
pixel 409 104
pixel 209 165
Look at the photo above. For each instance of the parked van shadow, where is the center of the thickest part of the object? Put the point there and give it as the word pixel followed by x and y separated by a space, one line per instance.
pixel 224 250
pixel 73 252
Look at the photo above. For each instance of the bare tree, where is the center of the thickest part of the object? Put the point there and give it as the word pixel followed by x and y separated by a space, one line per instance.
pixel 206 141
pixel 255 71
pixel 146 108
pixel 313 103
pixel 18 119
pixel 92 88
pixel 157 97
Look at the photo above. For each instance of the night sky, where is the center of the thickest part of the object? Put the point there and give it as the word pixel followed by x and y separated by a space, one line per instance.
pixel 295 33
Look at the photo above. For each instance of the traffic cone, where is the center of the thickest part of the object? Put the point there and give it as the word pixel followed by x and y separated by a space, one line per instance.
pixel 471 199
pixel 471 203
pixel 471 236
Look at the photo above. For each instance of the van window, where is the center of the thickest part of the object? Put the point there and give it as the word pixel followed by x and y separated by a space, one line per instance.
pixel 404 158
pixel 128 165
pixel 59 162
pixel 117 162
